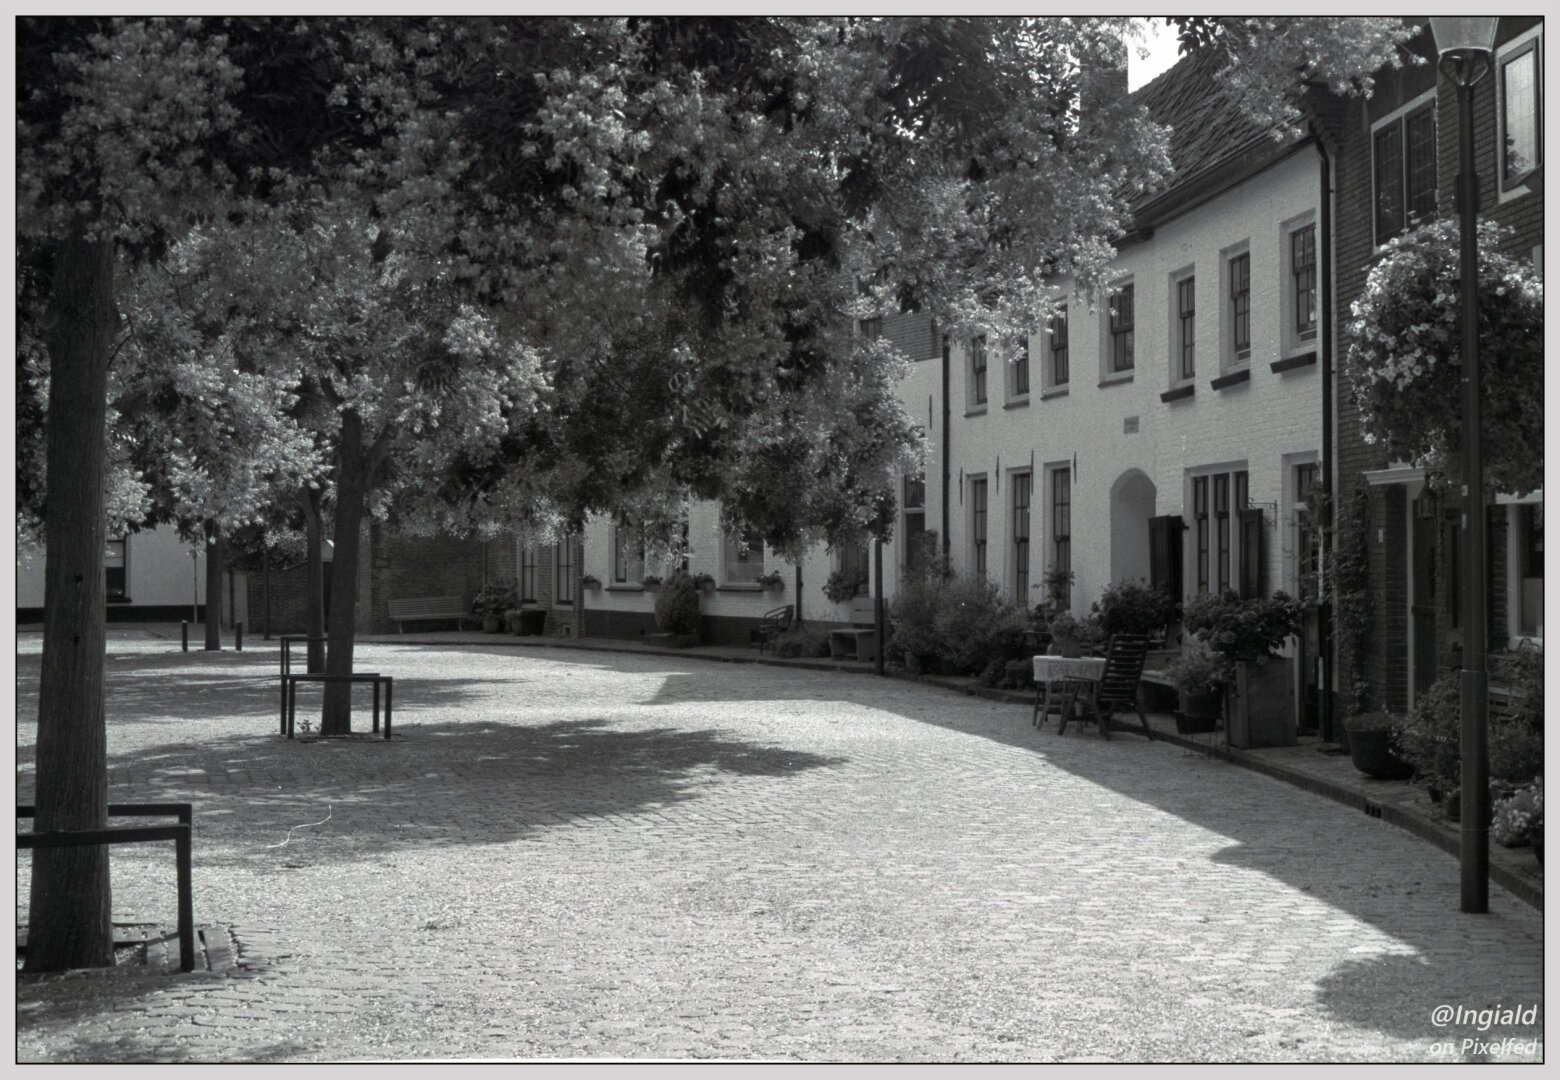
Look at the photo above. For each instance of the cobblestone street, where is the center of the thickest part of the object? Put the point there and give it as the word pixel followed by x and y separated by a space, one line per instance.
pixel 567 854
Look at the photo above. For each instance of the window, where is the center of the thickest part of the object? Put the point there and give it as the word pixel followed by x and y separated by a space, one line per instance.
pixel 1121 326
pixel 978 523
pixel 1061 528
pixel 853 562
pixel 528 574
pixel 743 558
pixel 114 562
pixel 1525 575
pixel 1521 106
pixel 628 552
pixel 1302 276
pixel 1058 337
pixel 1228 538
pixel 1186 327
pixel 914 505
pixel 978 370
pixel 1308 544
pixel 1240 307
pixel 1200 518
pixel 872 329
pixel 1405 170
pixel 1020 370
pixel 1022 485
pixel 563 579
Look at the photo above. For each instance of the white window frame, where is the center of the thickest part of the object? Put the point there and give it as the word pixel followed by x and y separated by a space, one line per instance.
pixel 1229 359
pixel 1401 113
pixel 1048 381
pixel 1228 470
pixel 1513 507
pixel 1293 343
pixel 1179 277
pixel 982 536
pixel 617 529
pixel 1515 189
pixel 729 546
pixel 1024 358
pixel 976 347
pixel 1108 370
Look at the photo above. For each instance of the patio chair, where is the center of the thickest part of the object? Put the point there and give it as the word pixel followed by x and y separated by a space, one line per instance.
pixel 775 622
pixel 1116 689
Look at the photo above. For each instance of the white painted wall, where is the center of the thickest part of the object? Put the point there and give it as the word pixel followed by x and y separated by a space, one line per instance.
pixel 159 571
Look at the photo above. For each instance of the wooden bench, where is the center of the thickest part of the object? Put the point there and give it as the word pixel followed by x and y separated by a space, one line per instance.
pixel 426 608
pixel 859 642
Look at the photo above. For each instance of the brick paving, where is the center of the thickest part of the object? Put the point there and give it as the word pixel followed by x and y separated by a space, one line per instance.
pixel 571 854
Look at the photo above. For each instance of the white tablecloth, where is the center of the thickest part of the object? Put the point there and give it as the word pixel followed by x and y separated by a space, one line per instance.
pixel 1049 668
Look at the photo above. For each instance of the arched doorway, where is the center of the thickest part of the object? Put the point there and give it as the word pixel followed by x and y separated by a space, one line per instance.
pixel 1131 506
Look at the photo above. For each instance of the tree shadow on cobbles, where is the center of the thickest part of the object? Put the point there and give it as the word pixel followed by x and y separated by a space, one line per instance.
pixel 454 783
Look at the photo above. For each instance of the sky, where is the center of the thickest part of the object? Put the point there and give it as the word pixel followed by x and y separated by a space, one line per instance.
pixel 1160 42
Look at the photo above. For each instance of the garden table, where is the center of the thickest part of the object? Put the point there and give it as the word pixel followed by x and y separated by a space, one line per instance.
pixel 1049 669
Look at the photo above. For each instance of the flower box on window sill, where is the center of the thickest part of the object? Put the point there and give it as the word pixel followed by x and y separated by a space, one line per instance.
pixel 704 582
pixel 590 581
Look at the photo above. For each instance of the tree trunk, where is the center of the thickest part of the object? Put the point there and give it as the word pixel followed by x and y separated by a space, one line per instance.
pixel 314 606
pixel 69 903
pixel 352 471
pixel 215 547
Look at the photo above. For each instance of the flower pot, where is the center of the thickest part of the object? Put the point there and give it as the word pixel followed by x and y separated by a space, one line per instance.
pixel 1371 751
pixel 1199 712
pixel 491 624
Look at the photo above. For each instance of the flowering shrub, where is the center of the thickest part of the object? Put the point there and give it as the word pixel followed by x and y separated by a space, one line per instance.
pixel 1197 669
pixel 953 625
pixel 1131 607
pixel 496 597
pixel 1406 355
pixel 1243 629
pixel 843 585
pixel 1519 818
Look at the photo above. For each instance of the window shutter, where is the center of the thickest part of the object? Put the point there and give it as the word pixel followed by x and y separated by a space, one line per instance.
pixel 1252 563
pixel 1164 554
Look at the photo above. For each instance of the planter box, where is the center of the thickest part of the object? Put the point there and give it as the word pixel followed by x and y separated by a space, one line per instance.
pixel 1371 752
pixel 1260 708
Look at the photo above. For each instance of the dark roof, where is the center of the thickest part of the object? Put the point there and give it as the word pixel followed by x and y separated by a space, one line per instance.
pixel 1207 124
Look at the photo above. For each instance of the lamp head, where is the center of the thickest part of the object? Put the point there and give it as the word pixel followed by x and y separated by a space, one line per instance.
pixel 1464 33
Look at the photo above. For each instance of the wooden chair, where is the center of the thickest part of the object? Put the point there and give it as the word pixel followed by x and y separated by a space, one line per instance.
pixel 776 621
pixel 1116 690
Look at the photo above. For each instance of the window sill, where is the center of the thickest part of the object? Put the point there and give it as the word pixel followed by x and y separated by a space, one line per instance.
pixel 1179 393
pixel 1018 403
pixel 1054 392
pixel 1234 378
pixel 739 587
pixel 118 600
pixel 1116 377
pixel 624 587
pixel 1293 363
pixel 976 410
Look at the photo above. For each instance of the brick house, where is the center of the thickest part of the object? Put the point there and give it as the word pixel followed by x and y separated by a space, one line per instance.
pixel 1397 156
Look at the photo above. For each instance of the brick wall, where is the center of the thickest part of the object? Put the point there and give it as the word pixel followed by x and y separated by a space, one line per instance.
pixel 1354 250
pixel 408 567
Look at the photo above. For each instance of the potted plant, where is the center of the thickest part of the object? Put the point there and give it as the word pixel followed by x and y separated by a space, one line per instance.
pixel 1519 818
pixel 771 581
pixel 512 619
pixel 1133 607
pixel 1072 636
pixel 651 582
pixel 1200 677
pixel 1249 633
pixel 703 582
pixel 1371 738
pixel 590 581
pixel 493 600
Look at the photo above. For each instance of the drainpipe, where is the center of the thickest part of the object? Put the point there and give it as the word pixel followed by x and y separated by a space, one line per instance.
pixel 947 360
pixel 1328 308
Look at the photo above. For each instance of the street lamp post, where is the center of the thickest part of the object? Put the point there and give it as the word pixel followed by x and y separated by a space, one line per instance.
pixel 1465 44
